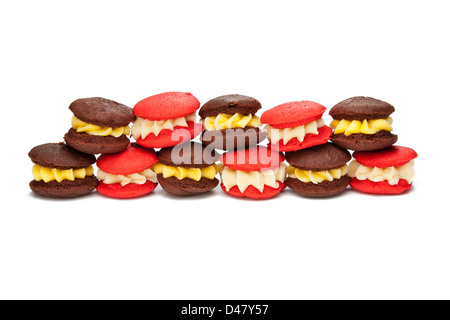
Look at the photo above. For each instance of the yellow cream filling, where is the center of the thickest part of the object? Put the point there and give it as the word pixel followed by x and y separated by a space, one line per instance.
pixel 81 126
pixel 231 121
pixel 316 176
pixel 50 174
pixel 183 173
pixel 349 127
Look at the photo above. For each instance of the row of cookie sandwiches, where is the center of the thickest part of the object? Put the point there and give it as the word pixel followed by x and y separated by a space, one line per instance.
pixel 101 126
pixel 192 168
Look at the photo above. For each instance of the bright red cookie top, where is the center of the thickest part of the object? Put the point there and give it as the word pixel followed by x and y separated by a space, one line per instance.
pixel 393 156
pixel 133 160
pixel 254 159
pixel 166 106
pixel 293 114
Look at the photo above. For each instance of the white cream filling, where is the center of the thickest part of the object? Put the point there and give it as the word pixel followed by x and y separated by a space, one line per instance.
pixel 375 174
pixel 137 178
pixel 244 179
pixel 299 132
pixel 142 127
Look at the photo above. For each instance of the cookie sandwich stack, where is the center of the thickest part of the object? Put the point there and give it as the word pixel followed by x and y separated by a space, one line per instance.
pixel 256 157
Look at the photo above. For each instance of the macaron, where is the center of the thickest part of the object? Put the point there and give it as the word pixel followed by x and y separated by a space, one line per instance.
pixel 319 171
pixel 296 125
pixel 257 173
pixel 386 171
pixel 61 172
pixel 127 174
pixel 166 119
pixel 99 125
pixel 230 122
pixel 188 169
pixel 362 124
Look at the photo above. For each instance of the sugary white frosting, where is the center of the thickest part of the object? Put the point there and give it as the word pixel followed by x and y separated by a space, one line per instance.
pixel 142 127
pixel 375 174
pixel 138 178
pixel 316 176
pixel 243 179
pixel 299 132
pixel 230 121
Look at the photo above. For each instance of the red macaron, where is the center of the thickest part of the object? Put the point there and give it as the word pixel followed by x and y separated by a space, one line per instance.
pixel 386 171
pixel 127 174
pixel 288 119
pixel 167 112
pixel 245 170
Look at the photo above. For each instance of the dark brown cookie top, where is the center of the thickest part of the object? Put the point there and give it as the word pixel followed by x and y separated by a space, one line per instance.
pixel 188 155
pixel 322 157
pixel 102 112
pixel 360 108
pixel 230 104
pixel 60 156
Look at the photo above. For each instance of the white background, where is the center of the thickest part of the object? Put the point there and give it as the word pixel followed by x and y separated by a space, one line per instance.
pixel 353 246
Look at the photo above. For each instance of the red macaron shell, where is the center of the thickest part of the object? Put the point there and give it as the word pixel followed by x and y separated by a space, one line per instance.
pixel 253 193
pixel 131 190
pixel 253 159
pixel 166 106
pixel 133 159
pixel 293 114
pixel 394 156
pixel 382 187
pixel 168 138
pixel 310 140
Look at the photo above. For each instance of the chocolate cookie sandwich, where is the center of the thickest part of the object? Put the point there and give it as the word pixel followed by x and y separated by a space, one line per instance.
pixel 362 124
pixel 99 126
pixel 229 122
pixel 187 169
pixel 61 172
pixel 319 171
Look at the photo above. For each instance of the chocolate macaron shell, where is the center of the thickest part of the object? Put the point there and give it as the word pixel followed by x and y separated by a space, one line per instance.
pixel 65 188
pixel 365 142
pixel 320 190
pixel 361 108
pixel 186 187
pixel 230 104
pixel 188 155
pixel 102 112
pixel 231 139
pixel 60 156
pixel 92 144
pixel 322 157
